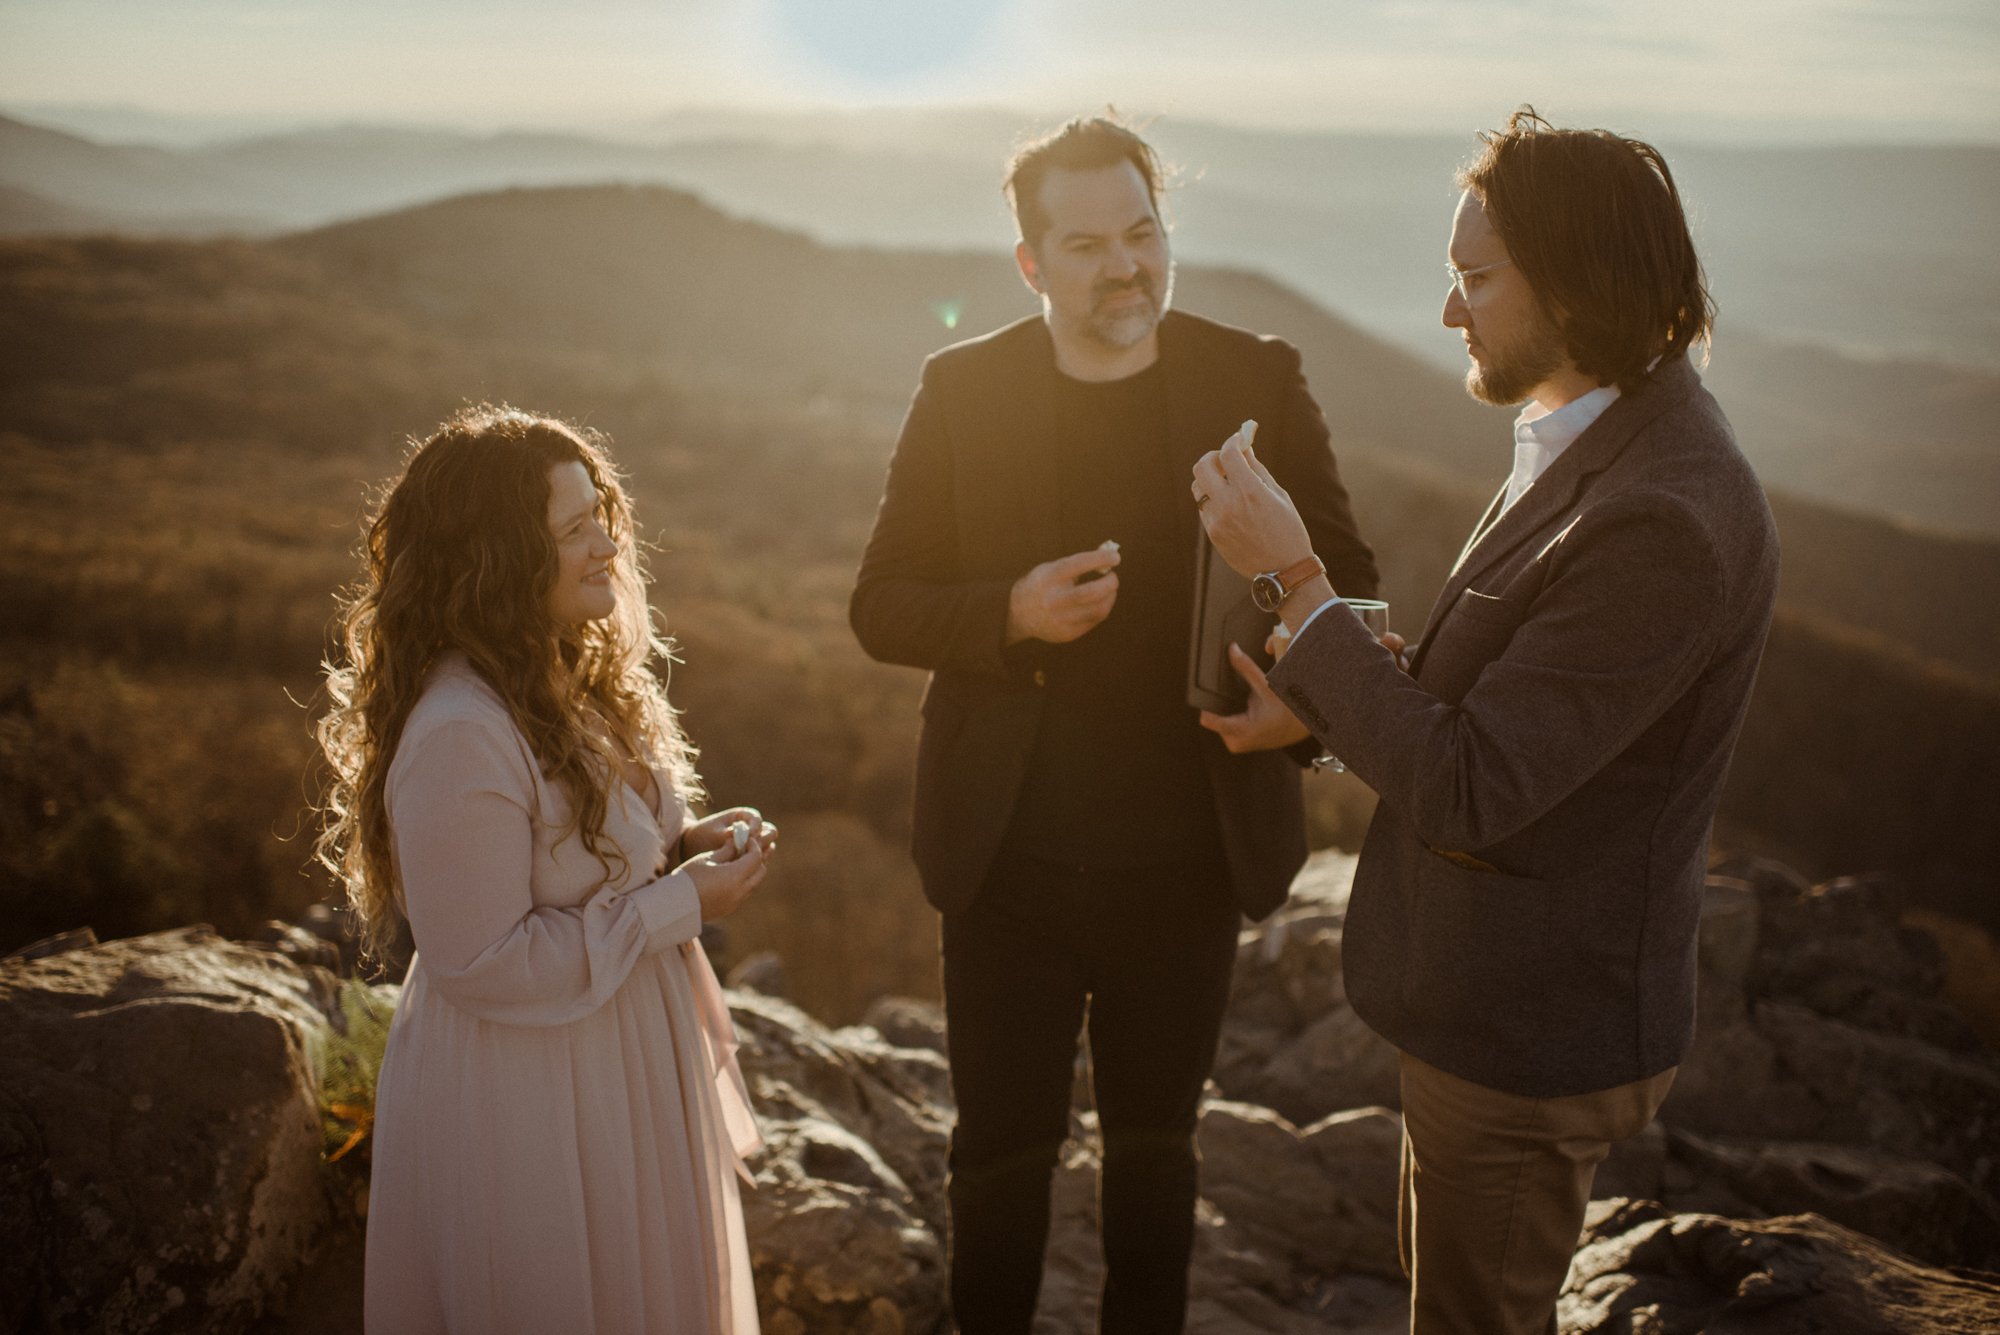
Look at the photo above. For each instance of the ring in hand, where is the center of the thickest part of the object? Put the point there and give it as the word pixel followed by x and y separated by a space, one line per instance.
pixel 1200 500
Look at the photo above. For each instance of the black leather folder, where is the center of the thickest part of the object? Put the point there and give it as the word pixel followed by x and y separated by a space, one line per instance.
pixel 1223 615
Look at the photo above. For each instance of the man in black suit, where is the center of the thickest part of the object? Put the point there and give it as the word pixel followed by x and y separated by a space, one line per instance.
pixel 1090 839
pixel 1523 920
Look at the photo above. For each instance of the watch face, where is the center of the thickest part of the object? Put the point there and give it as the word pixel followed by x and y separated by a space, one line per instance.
pixel 1266 592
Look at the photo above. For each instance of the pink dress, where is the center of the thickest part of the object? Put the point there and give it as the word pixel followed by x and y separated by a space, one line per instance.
pixel 560 1120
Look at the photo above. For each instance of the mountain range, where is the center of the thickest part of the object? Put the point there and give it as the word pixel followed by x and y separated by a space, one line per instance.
pixel 726 355
pixel 1858 346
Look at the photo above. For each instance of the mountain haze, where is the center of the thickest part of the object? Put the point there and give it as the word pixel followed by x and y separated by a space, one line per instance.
pixel 1859 346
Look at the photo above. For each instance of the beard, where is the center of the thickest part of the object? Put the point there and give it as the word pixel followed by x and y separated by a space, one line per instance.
pixel 1515 368
pixel 1126 326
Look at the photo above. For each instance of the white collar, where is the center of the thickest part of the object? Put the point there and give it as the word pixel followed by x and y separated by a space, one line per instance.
pixel 1541 436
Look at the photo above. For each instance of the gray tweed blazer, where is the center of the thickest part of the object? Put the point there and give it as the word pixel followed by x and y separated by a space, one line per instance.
pixel 1525 908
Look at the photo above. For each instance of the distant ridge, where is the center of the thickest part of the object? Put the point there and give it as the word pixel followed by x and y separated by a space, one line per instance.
pixel 651 277
pixel 625 299
pixel 657 274
pixel 25 213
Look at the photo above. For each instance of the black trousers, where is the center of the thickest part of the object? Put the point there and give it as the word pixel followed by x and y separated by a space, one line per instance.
pixel 1146 953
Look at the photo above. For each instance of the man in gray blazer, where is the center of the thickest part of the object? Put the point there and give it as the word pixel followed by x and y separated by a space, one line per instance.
pixel 1524 914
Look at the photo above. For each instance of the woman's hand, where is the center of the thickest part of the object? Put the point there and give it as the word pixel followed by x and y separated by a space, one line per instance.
pixel 711 832
pixel 723 879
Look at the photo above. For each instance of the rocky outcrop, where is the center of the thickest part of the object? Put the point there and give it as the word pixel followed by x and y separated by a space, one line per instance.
pixel 1827 1075
pixel 846 1219
pixel 1295 1232
pixel 847 1216
pixel 159 1135
pixel 1919 1208
pixel 1291 1043
pixel 159 1144
pixel 1644 1268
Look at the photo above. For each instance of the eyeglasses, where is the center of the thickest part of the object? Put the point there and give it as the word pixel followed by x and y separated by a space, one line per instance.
pixel 1458 275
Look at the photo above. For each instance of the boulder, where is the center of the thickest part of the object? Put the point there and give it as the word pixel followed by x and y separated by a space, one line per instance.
pixel 1295 1231
pixel 1918 1208
pixel 762 972
pixel 907 1022
pixel 1827 1073
pixel 159 1133
pixel 1289 1041
pixel 1643 1268
pixel 846 1217
pixel 1841 950
pixel 835 1241
pixel 1321 1199
pixel 1799 1075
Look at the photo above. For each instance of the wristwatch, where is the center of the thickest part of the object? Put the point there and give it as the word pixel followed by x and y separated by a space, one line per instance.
pixel 1269 591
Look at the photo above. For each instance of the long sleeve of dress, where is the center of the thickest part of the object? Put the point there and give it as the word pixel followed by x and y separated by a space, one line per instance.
pixel 464 845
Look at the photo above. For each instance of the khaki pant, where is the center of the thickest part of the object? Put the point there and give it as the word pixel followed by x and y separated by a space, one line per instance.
pixel 1494 1189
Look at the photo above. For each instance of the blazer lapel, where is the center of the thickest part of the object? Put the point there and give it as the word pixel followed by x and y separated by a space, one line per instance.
pixel 1198 418
pixel 1480 529
pixel 1021 431
pixel 1556 491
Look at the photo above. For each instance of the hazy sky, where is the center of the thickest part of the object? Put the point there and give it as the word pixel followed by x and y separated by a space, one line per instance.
pixel 1724 69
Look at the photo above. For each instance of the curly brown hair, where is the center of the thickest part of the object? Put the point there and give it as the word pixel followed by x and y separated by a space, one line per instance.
pixel 459 556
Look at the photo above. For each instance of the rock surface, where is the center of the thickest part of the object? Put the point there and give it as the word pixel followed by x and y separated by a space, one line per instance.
pixel 846 1218
pixel 1644 1269
pixel 159 1138
pixel 1828 1152
pixel 1259 1267
pixel 1290 1042
pixel 1828 1074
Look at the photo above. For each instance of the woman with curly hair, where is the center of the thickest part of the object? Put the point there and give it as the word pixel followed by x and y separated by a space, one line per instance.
pixel 559 1117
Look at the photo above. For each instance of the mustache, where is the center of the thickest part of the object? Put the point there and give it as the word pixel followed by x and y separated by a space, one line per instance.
pixel 1141 282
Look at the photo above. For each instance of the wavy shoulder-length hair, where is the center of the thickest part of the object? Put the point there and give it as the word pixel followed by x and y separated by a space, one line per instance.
pixel 1595 222
pixel 458 556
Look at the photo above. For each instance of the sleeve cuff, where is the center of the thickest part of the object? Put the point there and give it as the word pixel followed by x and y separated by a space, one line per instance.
pixel 1306 625
pixel 670 910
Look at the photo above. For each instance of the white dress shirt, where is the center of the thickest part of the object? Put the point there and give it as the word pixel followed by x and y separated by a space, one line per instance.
pixel 1540 437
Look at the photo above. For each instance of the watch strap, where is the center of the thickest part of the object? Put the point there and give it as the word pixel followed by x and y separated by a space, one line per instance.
pixel 1292 576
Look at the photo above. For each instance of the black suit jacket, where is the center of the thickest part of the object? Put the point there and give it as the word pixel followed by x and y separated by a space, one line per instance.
pixel 967 510
pixel 1525 909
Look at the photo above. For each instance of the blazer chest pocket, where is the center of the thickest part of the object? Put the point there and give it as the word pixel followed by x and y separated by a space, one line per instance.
pixel 1490 610
pixel 1473 633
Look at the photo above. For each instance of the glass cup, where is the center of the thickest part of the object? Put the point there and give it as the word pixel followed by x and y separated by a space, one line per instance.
pixel 1374 614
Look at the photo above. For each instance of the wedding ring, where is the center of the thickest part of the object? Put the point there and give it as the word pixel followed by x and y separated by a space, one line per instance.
pixel 1200 499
